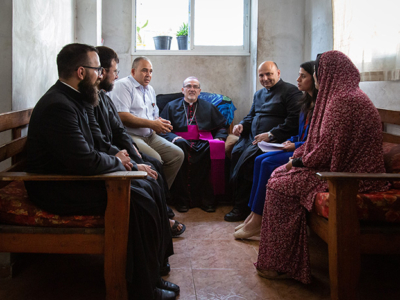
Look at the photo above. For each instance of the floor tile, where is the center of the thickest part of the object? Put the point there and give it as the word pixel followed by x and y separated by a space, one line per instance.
pixel 232 284
pixel 224 254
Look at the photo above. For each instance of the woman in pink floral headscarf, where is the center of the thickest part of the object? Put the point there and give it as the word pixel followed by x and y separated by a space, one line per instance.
pixel 344 136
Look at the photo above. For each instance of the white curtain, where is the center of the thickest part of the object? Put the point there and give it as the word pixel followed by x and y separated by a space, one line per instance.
pixel 369 33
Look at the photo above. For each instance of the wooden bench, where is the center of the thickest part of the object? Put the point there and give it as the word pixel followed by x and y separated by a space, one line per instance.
pixel 111 241
pixel 346 237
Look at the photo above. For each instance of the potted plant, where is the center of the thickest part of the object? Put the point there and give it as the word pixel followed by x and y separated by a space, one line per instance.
pixel 140 40
pixel 162 42
pixel 182 36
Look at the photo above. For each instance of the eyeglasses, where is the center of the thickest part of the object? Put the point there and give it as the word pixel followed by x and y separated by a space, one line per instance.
pixel 196 87
pixel 99 70
pixel 116 72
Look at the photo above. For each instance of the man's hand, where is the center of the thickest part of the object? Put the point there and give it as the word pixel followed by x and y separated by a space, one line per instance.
pixel 237 129
pixel 148 169
pixel 161 125
pixel 125 159
pixel 176 138
pixel 289 146
pixel 289 165
pixel 261 137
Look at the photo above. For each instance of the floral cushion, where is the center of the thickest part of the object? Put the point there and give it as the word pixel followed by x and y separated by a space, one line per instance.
pixel 16 209
pixel 391 156
pixel 380 206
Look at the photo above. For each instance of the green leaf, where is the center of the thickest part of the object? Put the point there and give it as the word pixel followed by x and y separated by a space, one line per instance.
pixel 145 24
pixel 183 30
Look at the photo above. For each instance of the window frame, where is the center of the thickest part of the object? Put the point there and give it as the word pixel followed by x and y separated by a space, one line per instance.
pixel 199 50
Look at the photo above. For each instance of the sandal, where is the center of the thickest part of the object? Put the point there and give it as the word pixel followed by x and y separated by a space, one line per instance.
pixel 175 231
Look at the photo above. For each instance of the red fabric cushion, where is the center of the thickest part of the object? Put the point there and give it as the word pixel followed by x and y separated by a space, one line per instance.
pixel 16 209
pixel 380 206
pixel 391 156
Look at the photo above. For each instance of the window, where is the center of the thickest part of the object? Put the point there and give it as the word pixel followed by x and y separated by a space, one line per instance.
pixel 369 33
pixel 214 27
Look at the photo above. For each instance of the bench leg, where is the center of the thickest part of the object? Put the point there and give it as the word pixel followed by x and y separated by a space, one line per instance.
pixel 116 239
pixel 7 261
pixel 344 239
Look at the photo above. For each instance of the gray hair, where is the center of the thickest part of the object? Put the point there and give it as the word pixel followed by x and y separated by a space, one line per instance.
pixel 137 61
pixel 191 78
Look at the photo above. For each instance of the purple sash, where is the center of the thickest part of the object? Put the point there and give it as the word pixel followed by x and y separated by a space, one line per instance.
pixel 217 155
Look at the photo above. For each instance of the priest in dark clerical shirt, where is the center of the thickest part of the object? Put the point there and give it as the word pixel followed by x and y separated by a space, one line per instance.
pixel 200 131
pixel 273 117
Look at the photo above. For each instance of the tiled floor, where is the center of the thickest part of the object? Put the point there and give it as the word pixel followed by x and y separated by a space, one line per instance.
pixel 208 264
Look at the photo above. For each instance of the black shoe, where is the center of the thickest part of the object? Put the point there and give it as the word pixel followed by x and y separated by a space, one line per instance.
pixel 208 208
pixel 160 294
pixel 182 208
pixel 170 212
pixel 236 214
pixel 169 286
pixel 165 269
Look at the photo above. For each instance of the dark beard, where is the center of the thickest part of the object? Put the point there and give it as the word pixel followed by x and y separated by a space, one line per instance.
pixel 106 85
pixel 89 91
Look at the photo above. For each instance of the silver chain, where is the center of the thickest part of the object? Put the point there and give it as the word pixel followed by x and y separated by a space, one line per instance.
pixel 187 119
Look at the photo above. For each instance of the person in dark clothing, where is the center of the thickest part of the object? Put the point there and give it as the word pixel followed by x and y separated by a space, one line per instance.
pixel 199 129
pixel 60 141
pixel 273 117
pixel 110 134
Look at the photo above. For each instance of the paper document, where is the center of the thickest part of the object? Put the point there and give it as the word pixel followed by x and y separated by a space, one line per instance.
pixel 268 147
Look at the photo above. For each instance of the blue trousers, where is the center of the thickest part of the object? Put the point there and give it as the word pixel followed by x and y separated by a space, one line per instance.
pixel 264 165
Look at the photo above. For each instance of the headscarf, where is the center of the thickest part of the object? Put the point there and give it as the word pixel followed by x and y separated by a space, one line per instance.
pixel 345 133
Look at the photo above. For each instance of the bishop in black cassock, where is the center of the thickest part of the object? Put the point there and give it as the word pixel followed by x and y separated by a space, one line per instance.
pixel 192 186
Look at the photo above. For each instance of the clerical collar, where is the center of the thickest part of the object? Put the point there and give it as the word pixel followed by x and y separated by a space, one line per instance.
pixel 189 104
pixel 273 86
pixel 69 86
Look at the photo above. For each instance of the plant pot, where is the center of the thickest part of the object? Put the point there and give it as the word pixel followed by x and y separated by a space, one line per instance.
pixel 162 42
pixel 182 42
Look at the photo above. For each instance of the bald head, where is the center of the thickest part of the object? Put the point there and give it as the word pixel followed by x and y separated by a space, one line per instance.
pixel 268 74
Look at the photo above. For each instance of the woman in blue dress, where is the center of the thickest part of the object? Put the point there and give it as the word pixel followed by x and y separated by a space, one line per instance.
pixel 266 163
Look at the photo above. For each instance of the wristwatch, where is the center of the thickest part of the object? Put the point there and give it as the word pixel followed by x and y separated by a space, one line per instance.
pixel 270 136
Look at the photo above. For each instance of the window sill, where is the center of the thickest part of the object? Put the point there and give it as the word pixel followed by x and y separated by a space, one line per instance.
pixel 188 53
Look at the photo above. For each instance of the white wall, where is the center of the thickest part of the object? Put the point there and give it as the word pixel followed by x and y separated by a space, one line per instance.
pixel 281 36
pixel 40 29
pixel 88 28
pixel 318 28
pixel 6 55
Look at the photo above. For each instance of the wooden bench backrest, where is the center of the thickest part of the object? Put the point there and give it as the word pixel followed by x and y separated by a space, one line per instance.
pixel 389 117
pixel 15 149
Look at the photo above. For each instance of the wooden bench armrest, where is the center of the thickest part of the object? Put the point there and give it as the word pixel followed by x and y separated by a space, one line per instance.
pixel 357 176
pixel 116 227
pixel 24 176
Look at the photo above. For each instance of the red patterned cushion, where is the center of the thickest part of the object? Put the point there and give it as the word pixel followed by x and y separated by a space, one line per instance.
pixel 16 209
pixel 380 206
pixel 391 156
